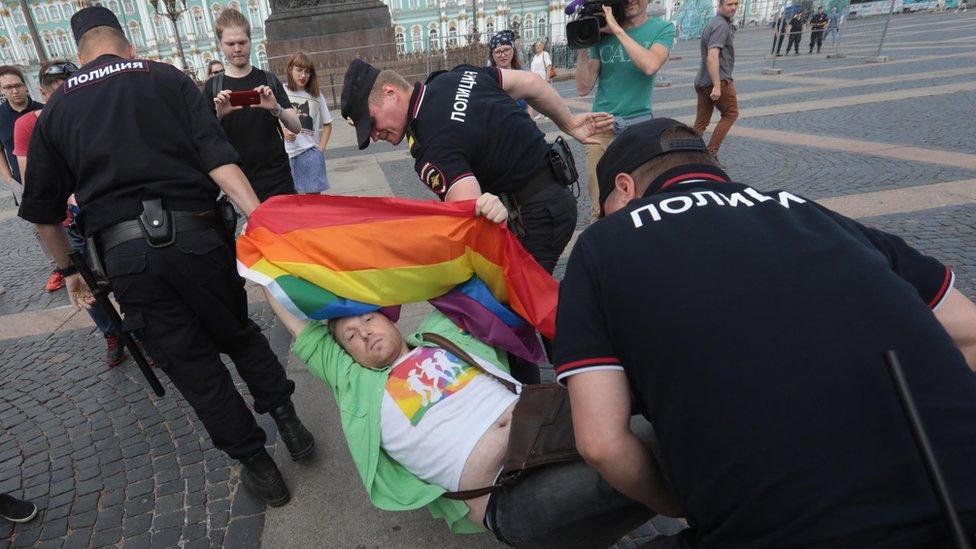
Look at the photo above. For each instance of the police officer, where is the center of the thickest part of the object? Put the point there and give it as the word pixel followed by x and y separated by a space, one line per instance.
pixel 137 145
pixel 468 135
pixel 750 325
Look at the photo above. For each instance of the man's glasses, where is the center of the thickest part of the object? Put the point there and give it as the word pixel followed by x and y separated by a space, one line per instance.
pixel 61 69
pixel 12 87
pixel 215 72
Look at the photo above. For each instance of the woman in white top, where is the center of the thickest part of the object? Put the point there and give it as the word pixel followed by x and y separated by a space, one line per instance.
pixel 305 149
pixel 541 61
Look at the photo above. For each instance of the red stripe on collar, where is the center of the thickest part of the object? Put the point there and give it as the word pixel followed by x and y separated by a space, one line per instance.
pixel 687 176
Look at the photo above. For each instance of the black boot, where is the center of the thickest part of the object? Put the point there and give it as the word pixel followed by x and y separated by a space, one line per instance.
pixel 296 437
pixel 261 477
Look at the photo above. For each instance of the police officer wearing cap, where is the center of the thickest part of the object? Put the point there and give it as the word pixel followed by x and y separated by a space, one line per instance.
pixel 137 145
pixel 750 327
pixel 468 136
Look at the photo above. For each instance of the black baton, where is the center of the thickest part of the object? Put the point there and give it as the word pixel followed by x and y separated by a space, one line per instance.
pixel 925 449
pixel 101 297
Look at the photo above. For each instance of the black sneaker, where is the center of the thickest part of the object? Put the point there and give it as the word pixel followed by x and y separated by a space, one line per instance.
pixel 16 510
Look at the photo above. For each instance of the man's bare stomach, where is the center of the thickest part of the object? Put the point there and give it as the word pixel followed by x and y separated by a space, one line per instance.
pixel 484 462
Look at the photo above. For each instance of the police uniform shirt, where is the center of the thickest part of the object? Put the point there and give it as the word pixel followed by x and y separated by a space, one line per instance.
pixel 751 326
pixel 461 123
pixel 256 134
pixel 117 132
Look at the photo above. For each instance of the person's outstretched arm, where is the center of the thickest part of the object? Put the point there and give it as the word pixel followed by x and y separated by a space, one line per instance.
pixel 292 323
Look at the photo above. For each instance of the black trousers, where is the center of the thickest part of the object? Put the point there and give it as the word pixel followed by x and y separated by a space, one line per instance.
pixel 189 302
pixel 548 221
pixel 816 39
pixel 778 43
pixel 795 38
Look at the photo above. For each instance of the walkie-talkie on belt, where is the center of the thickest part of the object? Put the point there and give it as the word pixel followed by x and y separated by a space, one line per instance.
pixel 101 297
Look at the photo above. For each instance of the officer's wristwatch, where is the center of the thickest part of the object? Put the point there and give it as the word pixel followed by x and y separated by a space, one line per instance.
pixel 67 271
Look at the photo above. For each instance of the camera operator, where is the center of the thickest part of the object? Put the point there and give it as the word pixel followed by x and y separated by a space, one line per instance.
pixel 623 67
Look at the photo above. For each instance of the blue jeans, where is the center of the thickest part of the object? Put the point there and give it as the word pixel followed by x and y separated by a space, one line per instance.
pixel 96 313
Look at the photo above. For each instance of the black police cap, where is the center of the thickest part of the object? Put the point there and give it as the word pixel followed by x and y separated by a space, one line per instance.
pixel 637 145
pixel 358 83
pixel 86 19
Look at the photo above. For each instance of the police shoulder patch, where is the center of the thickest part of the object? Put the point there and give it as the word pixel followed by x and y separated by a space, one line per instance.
pixel 433 177
pixel 93 76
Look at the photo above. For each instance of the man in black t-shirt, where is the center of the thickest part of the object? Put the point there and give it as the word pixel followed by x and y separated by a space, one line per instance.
pixel 748 326
pixel 254 131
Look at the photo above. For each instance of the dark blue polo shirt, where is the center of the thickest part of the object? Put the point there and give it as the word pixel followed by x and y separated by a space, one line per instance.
pixel 462 123
pixel 751 326
pixel 8 116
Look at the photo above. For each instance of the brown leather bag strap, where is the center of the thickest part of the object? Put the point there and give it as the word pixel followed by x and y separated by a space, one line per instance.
pixel 457 351
pixel 469 494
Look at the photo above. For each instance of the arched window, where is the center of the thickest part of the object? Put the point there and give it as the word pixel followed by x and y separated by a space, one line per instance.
pixel 6 52
pixel 215 10
pixel 68 10
pixel 162 30
pixel 543 26
pixel 235 5
pixel 515 23
pixel 452 34
pixel 128 6
pixel 416 39
pixel 490 27
pixel 55 13
pixel 401 45
pixel 49 45
pixel 432 36
pixel 199 23
pixel 18 15
pixel 64 44
pixel 528 27
pixel 112 5
pixel 28 45
pixel 138 40
pixel 262 57
pixel 40 14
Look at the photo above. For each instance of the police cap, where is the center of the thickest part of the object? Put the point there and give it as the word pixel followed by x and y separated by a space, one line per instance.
pixel 637 145
pixel 358 83
pixel 86 19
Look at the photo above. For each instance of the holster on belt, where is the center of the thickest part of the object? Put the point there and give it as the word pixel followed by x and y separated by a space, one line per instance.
pixel 95 261
pixel 227 216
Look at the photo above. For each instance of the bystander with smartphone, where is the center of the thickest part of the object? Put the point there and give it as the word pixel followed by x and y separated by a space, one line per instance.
pixel 306 148
pixel 251 120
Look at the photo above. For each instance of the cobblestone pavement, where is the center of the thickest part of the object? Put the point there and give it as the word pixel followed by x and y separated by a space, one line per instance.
pixel 106 463
pixel 110 465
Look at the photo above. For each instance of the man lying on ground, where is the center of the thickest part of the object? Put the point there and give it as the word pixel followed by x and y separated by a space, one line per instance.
pixel 421 422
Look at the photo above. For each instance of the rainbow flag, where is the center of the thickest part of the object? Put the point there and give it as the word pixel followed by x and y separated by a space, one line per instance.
pixel 329 256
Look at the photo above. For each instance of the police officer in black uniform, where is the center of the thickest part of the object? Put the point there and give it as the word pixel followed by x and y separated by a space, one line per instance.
pixel 750 327
pixel 138 146
pixel 468 135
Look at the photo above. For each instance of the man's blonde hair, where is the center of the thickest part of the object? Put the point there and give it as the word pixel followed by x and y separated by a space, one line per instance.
pixel 103 38
pixel 229 17
pixel 385 77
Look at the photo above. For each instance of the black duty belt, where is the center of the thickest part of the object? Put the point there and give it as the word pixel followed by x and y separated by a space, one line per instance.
pixel 131 229
pixel 542 179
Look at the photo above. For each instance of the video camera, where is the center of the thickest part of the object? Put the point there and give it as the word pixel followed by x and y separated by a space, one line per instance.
pixel 584 30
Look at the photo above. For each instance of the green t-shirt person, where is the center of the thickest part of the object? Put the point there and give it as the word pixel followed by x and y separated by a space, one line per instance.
pixel 623 89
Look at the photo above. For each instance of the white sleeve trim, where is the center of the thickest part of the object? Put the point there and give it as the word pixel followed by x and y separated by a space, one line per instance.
pixel 952 284
pixel 560 379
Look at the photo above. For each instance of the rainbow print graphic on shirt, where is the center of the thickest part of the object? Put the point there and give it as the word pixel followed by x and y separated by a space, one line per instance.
pixel 426 377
